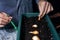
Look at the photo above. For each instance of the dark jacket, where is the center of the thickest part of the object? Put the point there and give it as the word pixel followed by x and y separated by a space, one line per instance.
pixel 15 8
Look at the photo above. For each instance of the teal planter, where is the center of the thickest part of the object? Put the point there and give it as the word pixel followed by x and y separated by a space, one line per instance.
pixel 50 25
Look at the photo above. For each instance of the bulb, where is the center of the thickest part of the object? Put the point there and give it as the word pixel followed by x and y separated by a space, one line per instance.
pixel 35 38
pixel 35 26
pixel 34 32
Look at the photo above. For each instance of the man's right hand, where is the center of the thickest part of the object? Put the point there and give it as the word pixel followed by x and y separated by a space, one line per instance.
pixel 4 19
pixel 44 8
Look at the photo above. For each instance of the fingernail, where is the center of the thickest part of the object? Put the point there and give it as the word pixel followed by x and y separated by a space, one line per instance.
pixel 11 17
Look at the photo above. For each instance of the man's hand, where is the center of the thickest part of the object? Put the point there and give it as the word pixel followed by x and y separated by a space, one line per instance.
pixel 4 19
pixel 44 8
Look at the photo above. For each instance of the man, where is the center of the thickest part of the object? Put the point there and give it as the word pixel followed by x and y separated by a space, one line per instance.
pixel 14 8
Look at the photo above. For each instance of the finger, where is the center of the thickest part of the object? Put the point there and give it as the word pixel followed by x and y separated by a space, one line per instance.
pixel 45 10
pixel 10 17
pixel 52 8
pixel 1 15
pixel 5 18
pixel 9 20
pixel 42 9
pixel 2 22
pixel 39 17
pixel 4 13
pixel 49 9
pixel 42 15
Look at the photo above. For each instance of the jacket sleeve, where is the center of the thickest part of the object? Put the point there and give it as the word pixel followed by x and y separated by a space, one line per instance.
pixel 9 7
